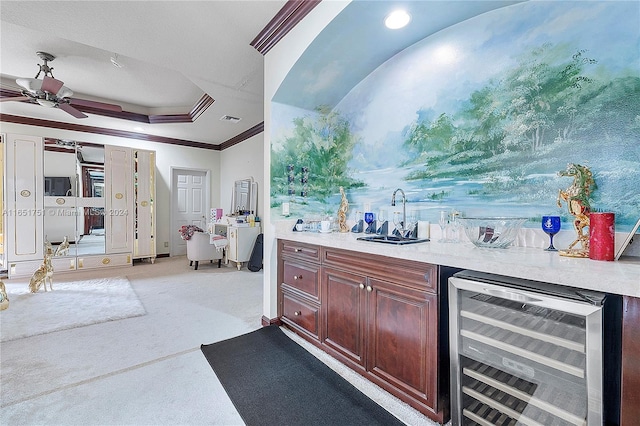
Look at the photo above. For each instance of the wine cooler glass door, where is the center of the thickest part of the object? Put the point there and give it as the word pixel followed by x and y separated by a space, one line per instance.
pixel 523 357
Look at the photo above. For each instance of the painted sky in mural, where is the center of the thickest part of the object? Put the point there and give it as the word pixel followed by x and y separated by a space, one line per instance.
pixel 418 121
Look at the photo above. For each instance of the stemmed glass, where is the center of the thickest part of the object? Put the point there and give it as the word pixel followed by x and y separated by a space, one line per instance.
pixel 382 217
pixel 369 217
pixel 397 221
pixel 551 226
pixel 443 222
pixel 412 221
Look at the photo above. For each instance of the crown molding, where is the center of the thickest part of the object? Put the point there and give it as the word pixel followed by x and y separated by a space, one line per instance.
pixel 285 20
pixel 201 106
pixel 255 130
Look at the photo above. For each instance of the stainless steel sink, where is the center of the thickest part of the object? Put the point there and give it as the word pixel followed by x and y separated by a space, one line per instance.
pixel 392 239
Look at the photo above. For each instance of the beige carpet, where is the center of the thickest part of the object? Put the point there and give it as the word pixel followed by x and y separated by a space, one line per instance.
pixel 71 304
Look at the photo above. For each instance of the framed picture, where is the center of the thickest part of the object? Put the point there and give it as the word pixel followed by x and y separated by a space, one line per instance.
pixel 627 240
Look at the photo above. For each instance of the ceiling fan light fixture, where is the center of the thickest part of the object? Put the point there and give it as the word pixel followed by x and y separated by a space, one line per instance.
pixel 64 92
pixel 29 84
pixel 47 103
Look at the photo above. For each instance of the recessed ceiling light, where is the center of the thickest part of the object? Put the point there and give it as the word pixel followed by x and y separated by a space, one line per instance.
pixel 397 19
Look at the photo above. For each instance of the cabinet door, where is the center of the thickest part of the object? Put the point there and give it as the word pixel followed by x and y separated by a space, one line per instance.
pixel 119 199
pixel 241 242
pixel 630 407
pixel 144 199
pixel 25 200
pixel 344 313
pixel 402 338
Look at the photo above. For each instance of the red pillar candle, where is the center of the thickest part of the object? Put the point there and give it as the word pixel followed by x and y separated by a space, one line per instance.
pixel 602 232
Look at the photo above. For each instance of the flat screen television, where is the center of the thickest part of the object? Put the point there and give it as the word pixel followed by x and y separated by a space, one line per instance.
pixel 57 186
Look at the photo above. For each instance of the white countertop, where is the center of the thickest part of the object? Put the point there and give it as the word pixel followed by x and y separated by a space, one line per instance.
pixel 619 277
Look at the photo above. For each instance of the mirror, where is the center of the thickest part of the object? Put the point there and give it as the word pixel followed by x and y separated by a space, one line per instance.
pixel 244 197
pixel 60 190
pixel 73 197
pixel 91 202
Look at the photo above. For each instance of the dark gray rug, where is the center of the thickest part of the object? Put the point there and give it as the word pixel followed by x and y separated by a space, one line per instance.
pixel 272 380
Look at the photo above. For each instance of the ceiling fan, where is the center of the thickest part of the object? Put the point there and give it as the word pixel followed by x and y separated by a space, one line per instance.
pixel 52 93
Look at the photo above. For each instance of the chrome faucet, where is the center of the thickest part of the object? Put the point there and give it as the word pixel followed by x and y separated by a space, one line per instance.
pixel 404 208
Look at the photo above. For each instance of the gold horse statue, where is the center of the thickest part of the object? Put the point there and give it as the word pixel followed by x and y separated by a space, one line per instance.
pixel 577 198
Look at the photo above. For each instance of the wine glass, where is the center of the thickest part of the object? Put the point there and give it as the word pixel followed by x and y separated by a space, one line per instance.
pixel 443 222
pixel 412 221
pixel 551 226
pixel 382 217
pixel 399 224
pixel 369 217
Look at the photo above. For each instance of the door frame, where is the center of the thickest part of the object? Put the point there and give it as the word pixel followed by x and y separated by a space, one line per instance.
pixel 173 192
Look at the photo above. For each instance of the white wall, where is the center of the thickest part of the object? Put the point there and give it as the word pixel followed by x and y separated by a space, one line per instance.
pixel 167 156
pixel 241 161
pixel 277 64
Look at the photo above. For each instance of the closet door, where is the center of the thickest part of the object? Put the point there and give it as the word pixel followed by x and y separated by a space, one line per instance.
pixel 144 166
pixel 119 213
pixel 25 201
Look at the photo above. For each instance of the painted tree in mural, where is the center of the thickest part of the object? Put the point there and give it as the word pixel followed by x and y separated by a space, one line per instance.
pixel 533 118
pixel 324 143
pixel 541 101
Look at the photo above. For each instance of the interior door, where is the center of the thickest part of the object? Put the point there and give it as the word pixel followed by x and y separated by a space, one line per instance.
pixel 189 203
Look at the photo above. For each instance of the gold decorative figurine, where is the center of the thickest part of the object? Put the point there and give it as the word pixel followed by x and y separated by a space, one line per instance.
pixel 577 198
pixel 63 248
pixel 342 212
pixel 44 272
pixel 4 299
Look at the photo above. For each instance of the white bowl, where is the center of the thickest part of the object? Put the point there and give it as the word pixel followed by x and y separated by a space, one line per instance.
pixel 494 232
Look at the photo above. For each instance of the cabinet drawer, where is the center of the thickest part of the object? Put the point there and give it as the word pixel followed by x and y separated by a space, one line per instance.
pixel 104 261
pixel 300 250
pixel 422 276
pixel 302 277
pixel 300 314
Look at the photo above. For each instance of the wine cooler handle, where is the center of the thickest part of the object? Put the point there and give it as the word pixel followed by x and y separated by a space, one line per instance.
pixel 511 295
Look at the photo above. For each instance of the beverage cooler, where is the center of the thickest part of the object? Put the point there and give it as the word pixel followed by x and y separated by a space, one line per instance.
pixel 526 352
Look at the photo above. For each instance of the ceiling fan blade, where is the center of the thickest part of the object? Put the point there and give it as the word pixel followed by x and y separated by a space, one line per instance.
pixel 97 105
pixel 71 110
pixel 51 85
pixel 18 98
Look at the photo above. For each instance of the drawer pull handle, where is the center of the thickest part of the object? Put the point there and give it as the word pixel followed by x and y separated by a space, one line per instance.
pixel 297 313
pixel 361 286
pixel 297 250
pixel 297 277
pixel 369 288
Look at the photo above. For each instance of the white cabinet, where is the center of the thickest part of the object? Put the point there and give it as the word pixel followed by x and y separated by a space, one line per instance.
pixel 241 242
pixel 100 198
pixel 118 215
pixel 24 199
pixel 144 191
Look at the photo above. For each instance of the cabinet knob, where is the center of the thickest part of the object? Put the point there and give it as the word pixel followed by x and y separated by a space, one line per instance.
pixel 297 277
pixel 297 250
pixel 369 288
pixel 297 313
pixel 361 286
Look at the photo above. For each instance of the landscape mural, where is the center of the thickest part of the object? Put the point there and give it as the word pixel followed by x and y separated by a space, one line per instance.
pixel 479 118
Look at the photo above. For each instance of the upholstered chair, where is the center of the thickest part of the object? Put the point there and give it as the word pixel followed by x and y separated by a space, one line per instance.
pixel 199 249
